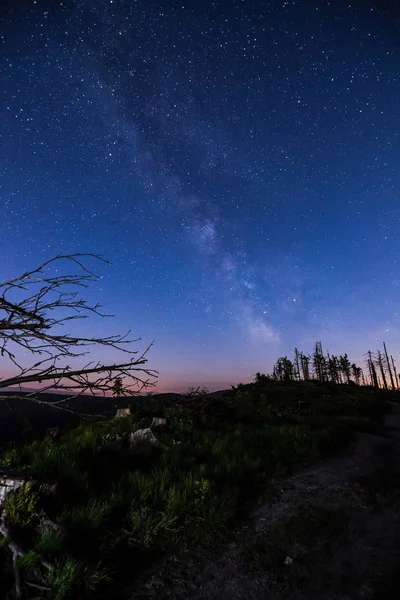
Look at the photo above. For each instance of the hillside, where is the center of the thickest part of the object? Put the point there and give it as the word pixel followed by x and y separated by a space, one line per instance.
pixel 101 510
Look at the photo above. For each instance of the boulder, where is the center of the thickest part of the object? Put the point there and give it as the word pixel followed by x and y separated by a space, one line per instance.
pixel 143 441
pixel 9 482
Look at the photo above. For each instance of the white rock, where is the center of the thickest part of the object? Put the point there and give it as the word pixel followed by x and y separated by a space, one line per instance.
pixel 289 560
pixel 8 485
pixel 143 440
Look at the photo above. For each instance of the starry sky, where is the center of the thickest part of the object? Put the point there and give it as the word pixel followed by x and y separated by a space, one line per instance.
pixel 236 161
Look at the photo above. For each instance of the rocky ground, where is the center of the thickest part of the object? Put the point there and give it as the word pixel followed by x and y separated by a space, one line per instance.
pixel 331 532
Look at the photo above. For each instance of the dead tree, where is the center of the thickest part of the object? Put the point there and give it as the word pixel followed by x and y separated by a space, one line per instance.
pixel 305 366
pixel 297 373
pixel 389 367
pixel 395 372
pixel 380 364
pixel 33 325
pixel 372 370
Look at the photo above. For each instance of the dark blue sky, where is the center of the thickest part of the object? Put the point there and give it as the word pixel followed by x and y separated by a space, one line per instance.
pixel 237 161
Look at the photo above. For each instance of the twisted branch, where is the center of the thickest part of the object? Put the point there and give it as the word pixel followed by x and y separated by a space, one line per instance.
pixel 30 324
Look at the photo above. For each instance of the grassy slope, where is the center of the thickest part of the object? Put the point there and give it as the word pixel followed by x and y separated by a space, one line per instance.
pixel 121 511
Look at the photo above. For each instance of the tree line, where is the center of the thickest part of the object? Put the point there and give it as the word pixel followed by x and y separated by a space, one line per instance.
pixel 380 369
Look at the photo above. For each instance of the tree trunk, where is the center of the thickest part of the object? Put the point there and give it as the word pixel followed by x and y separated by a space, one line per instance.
pixel 372 371
pixel 388 366
pixel 382 370
pixel 395 374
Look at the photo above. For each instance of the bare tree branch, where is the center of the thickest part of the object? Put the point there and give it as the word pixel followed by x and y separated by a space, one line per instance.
pixel 33 324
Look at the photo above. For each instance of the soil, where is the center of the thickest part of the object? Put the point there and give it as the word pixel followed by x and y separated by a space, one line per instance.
pixel 331 532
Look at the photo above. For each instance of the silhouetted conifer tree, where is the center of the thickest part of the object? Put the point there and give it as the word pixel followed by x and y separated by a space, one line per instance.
pixel 356 373
pixel 284 369
pixel 117 388
pixel 333 368
pixel 345 367
pixel 319 363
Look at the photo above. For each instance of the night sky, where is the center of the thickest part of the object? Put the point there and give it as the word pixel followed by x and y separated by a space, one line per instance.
pixel 236 161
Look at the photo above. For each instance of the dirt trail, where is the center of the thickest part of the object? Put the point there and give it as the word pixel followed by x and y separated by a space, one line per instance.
pixel 331 532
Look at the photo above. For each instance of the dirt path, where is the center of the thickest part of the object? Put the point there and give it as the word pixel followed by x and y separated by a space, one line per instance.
pixel 330 533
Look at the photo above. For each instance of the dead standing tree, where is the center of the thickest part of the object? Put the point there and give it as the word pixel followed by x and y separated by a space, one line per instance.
pixel 32 324
pixel 389 368
pixel 381 365
pixel 396 377
pixel 372 371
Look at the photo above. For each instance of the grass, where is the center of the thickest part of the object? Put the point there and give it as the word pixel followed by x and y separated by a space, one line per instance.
pixel 122 510
pixel 22 505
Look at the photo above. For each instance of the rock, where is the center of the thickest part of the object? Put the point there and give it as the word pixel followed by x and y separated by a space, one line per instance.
pixel 122 413
pixel 289 561
pixel 158 422
pixel 143 440
pixel 8 484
